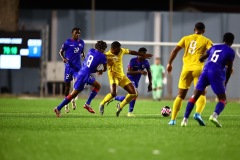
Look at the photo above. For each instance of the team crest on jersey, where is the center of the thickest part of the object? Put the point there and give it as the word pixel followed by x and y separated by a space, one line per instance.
pixel 143 66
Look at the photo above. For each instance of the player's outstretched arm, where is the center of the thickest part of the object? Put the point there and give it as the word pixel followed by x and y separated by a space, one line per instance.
pixel 144 55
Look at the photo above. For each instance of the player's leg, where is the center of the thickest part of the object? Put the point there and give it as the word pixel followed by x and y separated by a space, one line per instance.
pixel 202 83
pixel 183 85
pixel 78 87
pixel 219 90
pixel 177 104
pixel 218 109
pixel 117 98
pixel 66 101
pixel 133 101
pixel 67 90
pixel 74 105
pixel 94 92
pixel 154 90
pixel 159 90
pixel 68 77
pixel 190 106
pixel 108 97
pixel 127 85
pixel 131 107
pixel 201 102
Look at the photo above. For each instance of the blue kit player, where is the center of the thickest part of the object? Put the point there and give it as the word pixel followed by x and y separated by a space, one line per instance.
pixel 216 72
pixel 70 52
pixel 91 64
pixel 136 68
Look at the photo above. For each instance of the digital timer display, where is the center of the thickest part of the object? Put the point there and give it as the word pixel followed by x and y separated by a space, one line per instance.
pixel 20 49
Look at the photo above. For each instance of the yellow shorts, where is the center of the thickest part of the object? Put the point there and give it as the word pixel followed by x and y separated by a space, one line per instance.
pixel 187 77
pixel 121 81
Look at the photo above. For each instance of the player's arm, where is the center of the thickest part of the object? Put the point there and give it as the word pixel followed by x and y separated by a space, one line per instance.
pixel 229 71
pixel 172 57
pixel 144 55
pixel 132 72
pixel 203 57
pixel 61 53
pixel 149 79
pixel 100 72
pixel 83 55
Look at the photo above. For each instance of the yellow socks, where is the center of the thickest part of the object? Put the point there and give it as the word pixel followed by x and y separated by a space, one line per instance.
pixel 200 104
pixel 127 99
pixel 177 104
pixel 107 98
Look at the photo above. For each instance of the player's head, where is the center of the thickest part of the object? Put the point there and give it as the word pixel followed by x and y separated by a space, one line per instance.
pixel 115 47
pixel 101 46
pixel 142 50
pixel 228 38
pixel 199 28
pixel 76 33
pixel 157 60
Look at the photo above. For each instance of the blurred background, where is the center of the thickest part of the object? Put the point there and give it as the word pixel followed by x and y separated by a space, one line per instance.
pixel 32 32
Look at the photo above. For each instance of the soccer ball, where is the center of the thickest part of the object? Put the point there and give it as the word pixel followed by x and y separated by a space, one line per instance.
pixel 166 111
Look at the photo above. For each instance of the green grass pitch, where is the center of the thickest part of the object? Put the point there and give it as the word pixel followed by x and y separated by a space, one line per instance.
pixel 29 130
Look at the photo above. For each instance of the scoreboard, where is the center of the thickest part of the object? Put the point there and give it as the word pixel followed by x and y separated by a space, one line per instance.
pixel 20 49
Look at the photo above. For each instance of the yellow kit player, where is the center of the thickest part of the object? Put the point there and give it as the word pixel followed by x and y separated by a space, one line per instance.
pixel 194 46
pixel 117 77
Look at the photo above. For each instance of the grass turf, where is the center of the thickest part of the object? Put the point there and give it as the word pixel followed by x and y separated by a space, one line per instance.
pixel 30 130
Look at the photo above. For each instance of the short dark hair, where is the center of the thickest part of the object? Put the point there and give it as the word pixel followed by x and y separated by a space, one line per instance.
pixel 75 29
pixel 115 44
pixel 142 49
pixel 228 37
pixel 200 26
pixel 101 45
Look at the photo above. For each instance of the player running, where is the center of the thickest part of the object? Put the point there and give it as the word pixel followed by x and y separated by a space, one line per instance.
pixel 95 57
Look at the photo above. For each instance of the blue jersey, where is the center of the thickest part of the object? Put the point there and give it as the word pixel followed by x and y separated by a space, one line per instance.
pixel 73 49
pixel 90 64
pixel 136 65
pixel 93 60
pixel 218 56
pixel 214 71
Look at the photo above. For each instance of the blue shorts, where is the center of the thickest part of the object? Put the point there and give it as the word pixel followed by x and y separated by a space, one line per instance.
pixel 135 83
pixel 215 78
pixel 82 81
pixel 70 73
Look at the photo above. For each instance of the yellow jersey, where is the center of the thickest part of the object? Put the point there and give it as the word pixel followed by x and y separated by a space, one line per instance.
pixel 115 64
pixel 194 46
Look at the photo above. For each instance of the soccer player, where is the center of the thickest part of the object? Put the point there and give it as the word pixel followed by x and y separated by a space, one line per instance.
pixel 194 46
pixel 136 68
pixel 220 57
pixel 70 52
pixel 91 63
pixel 158 73
pixel 117 77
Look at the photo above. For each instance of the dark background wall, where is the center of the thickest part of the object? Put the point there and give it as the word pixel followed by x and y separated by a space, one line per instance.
pixel 115 25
